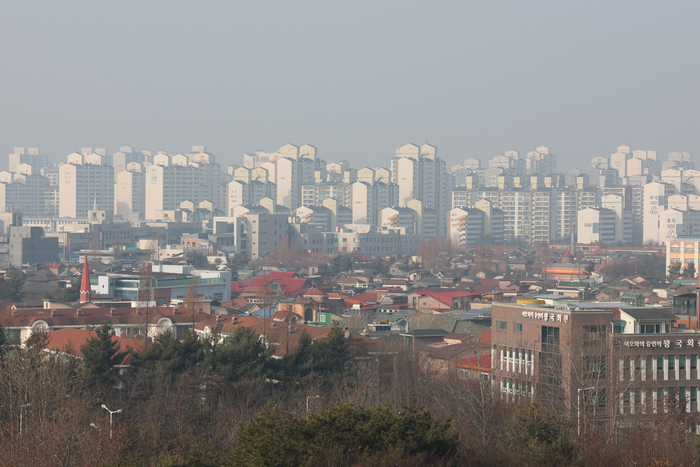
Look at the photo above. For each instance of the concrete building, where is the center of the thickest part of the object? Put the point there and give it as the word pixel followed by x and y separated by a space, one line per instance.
pixel 27 245
pixel 372 243
pixel 25 193
pixel 84 186
pixel 31 156
pixel 193 177
pixel 421 175
pixel 655 200
pixel 623 217
pixel 685 249
pixel 130 192
pixel 366 200
pixel 540 161
pixel 466 226
pixel 608 363
pixel 316 193
pixel 168 282
pixel 398 217
pixel 243 193
pixel 596 225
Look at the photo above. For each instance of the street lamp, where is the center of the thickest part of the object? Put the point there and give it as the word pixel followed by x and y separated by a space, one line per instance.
pixel 578 408
pixel 95 426
pixel 307 402
pixel 20 415
pixel 111 412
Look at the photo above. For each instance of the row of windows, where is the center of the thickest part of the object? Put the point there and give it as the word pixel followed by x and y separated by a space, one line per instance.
pixel 503 326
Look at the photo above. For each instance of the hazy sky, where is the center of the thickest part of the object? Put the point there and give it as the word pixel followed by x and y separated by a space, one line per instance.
pixel 356 79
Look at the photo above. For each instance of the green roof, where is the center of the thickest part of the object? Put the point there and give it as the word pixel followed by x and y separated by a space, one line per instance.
pixel 649 313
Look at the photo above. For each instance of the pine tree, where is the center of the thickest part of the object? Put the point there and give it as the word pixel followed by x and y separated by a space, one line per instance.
pixel 689 270
pixel 100 354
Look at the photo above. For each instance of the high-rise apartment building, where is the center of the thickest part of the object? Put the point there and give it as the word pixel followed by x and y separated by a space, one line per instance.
pixel 194 177
pixel 366 200
pixel 31 156
pixel 130 191
pixel 83 186
pixel 655 201
pixel 23 193
pixel 540 161
pixel 421 175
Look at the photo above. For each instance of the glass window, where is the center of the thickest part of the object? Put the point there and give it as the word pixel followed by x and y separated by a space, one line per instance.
pixel 659 363
pixel 518 327
pixel 681 362
pixel 693 362
pixel 502 325
pixel 671 362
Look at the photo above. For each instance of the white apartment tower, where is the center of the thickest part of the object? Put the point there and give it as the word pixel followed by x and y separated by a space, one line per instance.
pixel 130 191
pixel 421 175
pixel 540 161
pixel 83 186
pixel 366 200
pixel 623 216
pixel 31 156
pixel 596 225
pixel 24 193
pixel 655 201
pixel 193 177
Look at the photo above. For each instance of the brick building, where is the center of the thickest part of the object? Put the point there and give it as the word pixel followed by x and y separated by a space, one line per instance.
pixel 601 362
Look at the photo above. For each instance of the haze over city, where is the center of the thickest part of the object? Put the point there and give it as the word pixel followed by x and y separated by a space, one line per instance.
pixel 357 79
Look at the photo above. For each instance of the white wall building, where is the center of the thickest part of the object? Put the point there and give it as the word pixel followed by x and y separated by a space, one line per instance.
pixel 596 225
pixel 83 187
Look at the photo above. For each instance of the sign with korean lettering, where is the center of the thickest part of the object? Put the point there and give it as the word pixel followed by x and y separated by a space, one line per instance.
pixel 551 317
pixel 663 343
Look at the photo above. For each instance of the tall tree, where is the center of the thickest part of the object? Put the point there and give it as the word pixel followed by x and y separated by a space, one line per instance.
pixel 101 354
pixel 369 436
pixel 11 288
pixel 689 270
pixel 192 302
pixel 674 271
pixel 145 309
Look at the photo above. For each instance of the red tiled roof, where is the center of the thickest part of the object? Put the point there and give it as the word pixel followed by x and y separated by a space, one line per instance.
pixel 477 362
pixel 72 339
pixel 485 337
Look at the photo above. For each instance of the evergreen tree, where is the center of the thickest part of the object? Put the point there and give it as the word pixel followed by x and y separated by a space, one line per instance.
pixel 100 354
pixel 689 270
pixel 346 263
pixel 590 267
pixel 241 355
pixel 539 436
pixel 336 264
pixel 348 435
pixel 11 288
pixel 674 271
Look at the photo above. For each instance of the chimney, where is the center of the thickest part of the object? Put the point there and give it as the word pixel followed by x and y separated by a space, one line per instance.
pixel 234 320
pixel 176 311
pixel 53 313
pixel 112 312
